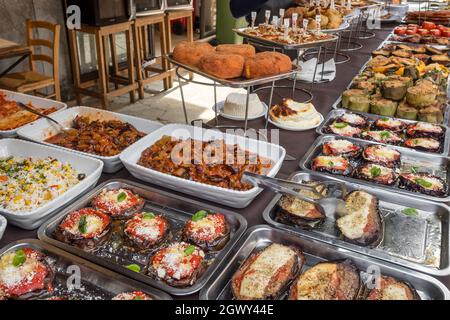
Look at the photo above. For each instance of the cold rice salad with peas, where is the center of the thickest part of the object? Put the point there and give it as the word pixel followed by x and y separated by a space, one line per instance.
pixel 27 184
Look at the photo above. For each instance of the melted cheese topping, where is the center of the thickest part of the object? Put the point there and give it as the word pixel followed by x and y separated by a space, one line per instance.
pixel 347 131
pixel 388 122
pixel 394 292
pixel 11 276
pixel 108 200
pixel 94 225
pixel 208 228
pixel 367 170
pixel 427 143
pixel 382 153
pixel 259 275
pixel 341 145
pixel 354 119
pixel 379 137
pixel 316 283
pixel 331 162
pixel 358 207
pixel 436 183
pixel 132 296
pixel 429 127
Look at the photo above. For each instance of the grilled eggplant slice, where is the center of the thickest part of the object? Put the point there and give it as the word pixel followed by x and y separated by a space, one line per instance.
pixel 342 148
pixel 353 119
pixel 422 57
pixel 432 114
pixel 146 230
pixel 422 94
pixel 208 231
pixel 390 124
pixel 423 183
pixel 130 296
pixel 392 289
pixel 268 273
pixel 293 211
pixel 425 130
pixel 343 129
pixel 382 155
pixel 393 89
pixel 120 204
pixel 384 136
pixel 433 50
pixel 383 107
pixel 424 144
pixel 363 223
pixel 86 229
pixel 375 173
pixel 332 164
pixel 405 111
pixel 179 264
pixel 338 280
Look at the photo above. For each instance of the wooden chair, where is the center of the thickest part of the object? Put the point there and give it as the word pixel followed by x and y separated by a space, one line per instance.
pixel 32 81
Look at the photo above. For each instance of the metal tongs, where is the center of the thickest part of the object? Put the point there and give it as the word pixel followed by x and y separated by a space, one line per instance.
pixel 329 204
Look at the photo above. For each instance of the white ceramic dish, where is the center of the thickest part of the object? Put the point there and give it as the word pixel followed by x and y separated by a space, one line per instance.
pixel 228 197
pixel 43 129
pixel 221 105
pixel 289 128
pixel 3 225
pixel 36 101
pixel 33 219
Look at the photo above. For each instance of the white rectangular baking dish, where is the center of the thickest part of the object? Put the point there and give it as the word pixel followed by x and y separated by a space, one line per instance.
pixel 236 199
pixel 89 166
pixel 43 129
pixel 35 101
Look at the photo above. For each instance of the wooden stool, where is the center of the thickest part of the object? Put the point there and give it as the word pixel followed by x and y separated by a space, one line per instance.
pixel 101 34
pixel 176 15
pixel 141 44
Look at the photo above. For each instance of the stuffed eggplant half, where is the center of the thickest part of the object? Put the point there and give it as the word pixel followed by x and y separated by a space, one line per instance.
pixel 86 228
pixel 382 155
pixel 423 183
pixel 342 148
pixel 332 164
pixel 267 274
pixel 293 211
pixel 130 296
pixel 210 232
pixel 376 173
pixel 146 230
pixel 179 264
pixel 425 130
pixel 353 119
pixel 328 281
pixel 387 137
pixel 389 124
pixel 362 224
pixel 25 274
pixel 120 204
pixel 424 144
pixel 343 129
pixel 392 289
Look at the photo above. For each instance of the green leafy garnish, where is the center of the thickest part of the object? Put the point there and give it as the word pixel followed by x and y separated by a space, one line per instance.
pixel 20 258
pixel 424 183
pixel 148 216
pixel 331 163
pixel 384 119
pixel 199 216
pixel 137 298
pixel 410 212
pixel 340 125
pixel 415 169
pixel 385 135
pixel 122 197
pixel 82 225
pixel 189 250
pixel 134 268
pixel 375 172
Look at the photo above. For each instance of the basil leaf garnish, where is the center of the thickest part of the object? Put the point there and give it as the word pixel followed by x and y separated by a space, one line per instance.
pixel 121 197
pixel 385 135
pixel 424 183
pixel 82 225
pixel 199 216
pixel 134 268
pixel 415 169
pixel 331 163
pixel 410 212
pixel 148 216
pixel 375 172
pixel 189 250
pixel 340 125
pixel 19 258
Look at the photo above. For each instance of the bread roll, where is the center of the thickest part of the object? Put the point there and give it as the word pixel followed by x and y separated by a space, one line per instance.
pixel 245 50
pixel 267 64
pixel 190 53
pixel 223 65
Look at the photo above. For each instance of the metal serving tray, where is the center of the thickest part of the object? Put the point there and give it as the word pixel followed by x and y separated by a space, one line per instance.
pixel 238 82
pixel 97 283
pixel 284 46
pixel 419 242
pixel 334 114
pixel 258 237
pixel 176 209
pixel 434 164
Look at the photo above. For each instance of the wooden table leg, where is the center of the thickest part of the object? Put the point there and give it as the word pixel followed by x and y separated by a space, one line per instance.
pixel 168 84
pixel 103 85
pixel 115 64
pixel 168 35
pixel 138 56
pixel 131 73
pixel 73 44
pixel 190 35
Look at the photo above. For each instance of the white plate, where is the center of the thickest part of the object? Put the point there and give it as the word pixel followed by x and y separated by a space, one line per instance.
pixel 3 224
pixel 36 101
pixel 43 129
pixel 221 105
pixel 228 197
pixel 89 166
pixel 284 127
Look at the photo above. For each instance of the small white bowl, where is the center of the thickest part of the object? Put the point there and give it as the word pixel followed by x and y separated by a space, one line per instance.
pixel 221 105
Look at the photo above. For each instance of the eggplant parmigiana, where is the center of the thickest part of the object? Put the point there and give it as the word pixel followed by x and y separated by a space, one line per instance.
pixel 343 129
pixel 387 137
pixel 342 148
pixel 362 224
pixel 328 281
pixel 179 264
pixel 208 231
pixel 146 230
pixel 389 124
pixel 425 130
pixel 423 183
pixel 391 289
pixel 266 274
pixel 24 273
pixel 382 155
pixel 353 119
pixel 213 163
pixel 130 296
pixel 332 164
pixel 376 173
pixel 120 204
pixel 86 228
pixel 423 144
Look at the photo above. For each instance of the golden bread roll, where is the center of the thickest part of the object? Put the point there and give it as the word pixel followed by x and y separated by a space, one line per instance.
pixel 245 50
pixel 223 65
pixel 266 64
pixel 190 53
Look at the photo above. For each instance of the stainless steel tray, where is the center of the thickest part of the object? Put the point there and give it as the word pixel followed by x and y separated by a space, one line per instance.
pixel 417 242
pixel 176 209
pixel 239 82
pixel 97 283
pixel 334 114
pixel 434 164
pixel 315 251
pixel 284 46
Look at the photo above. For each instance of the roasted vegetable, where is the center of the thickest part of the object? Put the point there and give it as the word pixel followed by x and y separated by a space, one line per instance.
pixel 146 230
pixel 383 107
pixel 367 86
pixel 390 124
pixel 343 129
pixel 431 114
pixel 406 111
pixel 376 173
pixel 402 53
pixel 422 94
pixel 423 183
pixel 353 119
pixel 346 95
pixel 359 104
pixel 424 144
pixel 393 90
pixel 332 164
pixel 342 148
pixel 443 59
pixel 120 204
pixel 382 155
pixel 425 130
pixel 392 289
pixel 385 136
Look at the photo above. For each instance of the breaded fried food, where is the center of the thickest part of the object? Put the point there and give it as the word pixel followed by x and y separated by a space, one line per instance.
pixel 245 50
pixel 266 64
pixel 190 53
pixel 223 65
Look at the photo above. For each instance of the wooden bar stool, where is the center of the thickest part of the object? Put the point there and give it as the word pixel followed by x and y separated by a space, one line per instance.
pixel 149 74
pixel 172 15
pixel 123 81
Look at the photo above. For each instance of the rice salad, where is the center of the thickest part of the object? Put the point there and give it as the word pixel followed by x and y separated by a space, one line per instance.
pixel 27 184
